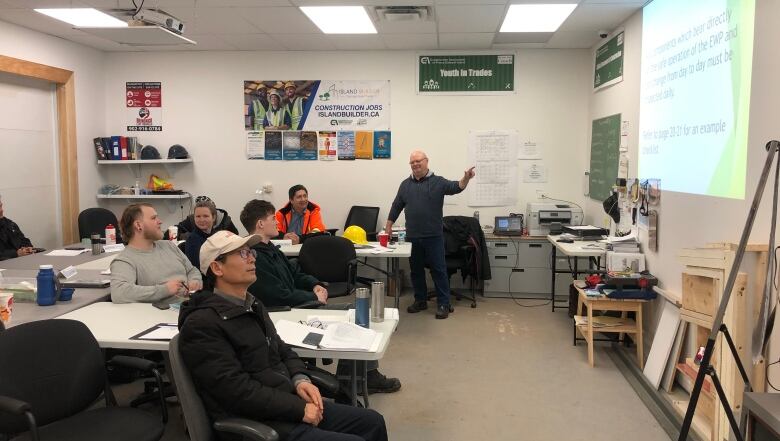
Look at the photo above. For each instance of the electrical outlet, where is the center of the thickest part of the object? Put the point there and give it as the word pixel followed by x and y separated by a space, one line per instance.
pixel 541 194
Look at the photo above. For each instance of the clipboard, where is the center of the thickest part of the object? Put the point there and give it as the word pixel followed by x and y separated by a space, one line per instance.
pixel 158 332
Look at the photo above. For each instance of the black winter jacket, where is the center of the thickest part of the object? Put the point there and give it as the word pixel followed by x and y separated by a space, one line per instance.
pixel 187 226
pixel 11 239
pixel 279 281
pixel 457 231
pixel 240 366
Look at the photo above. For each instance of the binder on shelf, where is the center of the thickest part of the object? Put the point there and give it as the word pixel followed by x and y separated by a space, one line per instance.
pixel 123 147
pixel 115 153
pixel 106 143
pixel 99 152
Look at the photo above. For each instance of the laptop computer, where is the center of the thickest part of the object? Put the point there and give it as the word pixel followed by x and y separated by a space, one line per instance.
pixel 508 226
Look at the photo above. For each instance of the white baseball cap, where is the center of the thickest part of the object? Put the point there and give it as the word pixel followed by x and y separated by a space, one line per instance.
pixel 223 242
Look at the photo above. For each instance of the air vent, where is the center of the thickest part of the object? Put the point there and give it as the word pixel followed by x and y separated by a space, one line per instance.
pixel 404 13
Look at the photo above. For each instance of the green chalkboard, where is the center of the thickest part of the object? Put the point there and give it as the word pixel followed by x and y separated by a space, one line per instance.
pixel 604 155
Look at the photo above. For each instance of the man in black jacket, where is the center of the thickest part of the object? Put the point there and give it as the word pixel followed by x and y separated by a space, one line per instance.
pixel 282 283
pixel 240 366
pixel 13 242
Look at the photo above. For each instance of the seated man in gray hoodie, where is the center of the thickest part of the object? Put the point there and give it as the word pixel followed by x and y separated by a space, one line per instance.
pixel 150 269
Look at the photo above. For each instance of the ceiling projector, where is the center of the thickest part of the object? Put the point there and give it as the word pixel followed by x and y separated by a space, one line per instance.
pixel 160 18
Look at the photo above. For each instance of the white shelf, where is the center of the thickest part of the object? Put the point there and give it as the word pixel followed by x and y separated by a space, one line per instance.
pixel 144 196
pixel 144 161
pixel 135 164
pixel 173 200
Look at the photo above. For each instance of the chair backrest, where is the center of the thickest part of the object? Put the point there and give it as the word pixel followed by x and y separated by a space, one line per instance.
pixel 328 258
pixel 94 220
pixel 198 421
pixel 54 365
pixel 363 217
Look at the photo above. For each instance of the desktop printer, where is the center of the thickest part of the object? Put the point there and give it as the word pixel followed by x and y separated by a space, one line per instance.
pixel 542 214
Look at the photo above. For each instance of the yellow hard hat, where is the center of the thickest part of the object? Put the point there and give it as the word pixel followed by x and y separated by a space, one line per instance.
pixel 355 234
pixel 289 84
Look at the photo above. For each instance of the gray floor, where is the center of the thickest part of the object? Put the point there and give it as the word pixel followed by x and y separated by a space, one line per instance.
pixel 500 372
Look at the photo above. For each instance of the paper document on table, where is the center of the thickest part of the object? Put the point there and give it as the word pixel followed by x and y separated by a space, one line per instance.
pixel 158 332
pixel 293 333
pixel 349 336
pixel 65 253
pixel 113 248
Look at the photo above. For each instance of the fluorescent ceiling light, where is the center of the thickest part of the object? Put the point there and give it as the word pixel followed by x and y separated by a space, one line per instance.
pixel 536 18
pixel 84 17
pixel 340 19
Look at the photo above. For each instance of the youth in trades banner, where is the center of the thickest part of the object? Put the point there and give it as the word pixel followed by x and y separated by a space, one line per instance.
pixel 316 105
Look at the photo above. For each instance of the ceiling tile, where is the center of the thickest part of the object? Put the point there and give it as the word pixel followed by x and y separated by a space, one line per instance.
pixel 473 2
pixel 362 2
pixel 357 42
pixel 31 4
pixel 150 4
pixel 213 20
pixel 522 37
pixel 469 18
pixel 99 43
pixel 304 42
pixel 406 27
pixel 573 40
pixel 204 43
pixel 242 3
pixel 252 42
pixel 459 40
pixel 410 41
pixel 594 17
pixel 286 20
pixel 507 46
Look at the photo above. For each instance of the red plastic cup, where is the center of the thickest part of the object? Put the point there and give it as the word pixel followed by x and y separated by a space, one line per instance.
pixel 383 239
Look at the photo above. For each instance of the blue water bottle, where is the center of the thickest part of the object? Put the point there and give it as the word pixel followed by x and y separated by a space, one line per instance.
pixel 47 294
pixel 362 304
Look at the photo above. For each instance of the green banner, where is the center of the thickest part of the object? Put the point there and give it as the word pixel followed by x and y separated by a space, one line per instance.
pixel 466 74
pixel 609 63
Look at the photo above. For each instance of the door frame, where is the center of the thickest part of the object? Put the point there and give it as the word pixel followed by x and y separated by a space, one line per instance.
pixel 66 135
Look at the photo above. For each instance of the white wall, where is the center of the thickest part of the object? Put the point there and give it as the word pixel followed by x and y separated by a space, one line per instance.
pixel 88 67
pixel 202 105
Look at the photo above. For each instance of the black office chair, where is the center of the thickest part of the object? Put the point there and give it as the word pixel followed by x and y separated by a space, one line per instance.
pixel 53 373
pixel 94 220
pixel 365 218
pixel 331 259
pixel 197 420
pixel 464 251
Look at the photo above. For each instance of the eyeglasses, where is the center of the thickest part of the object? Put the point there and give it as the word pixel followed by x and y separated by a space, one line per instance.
pixel 243 252
pixel 419 161
pixel 202 199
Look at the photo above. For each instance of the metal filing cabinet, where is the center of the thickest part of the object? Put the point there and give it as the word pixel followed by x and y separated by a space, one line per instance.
pixel 520 267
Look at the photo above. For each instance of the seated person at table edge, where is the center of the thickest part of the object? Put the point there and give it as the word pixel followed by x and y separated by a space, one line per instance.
pixel 204 215
pixel 149 269
pixel 240 366
pixel 279 281
pixel 222 221
pixel 13 243
pixel 299 216
pixel 282 283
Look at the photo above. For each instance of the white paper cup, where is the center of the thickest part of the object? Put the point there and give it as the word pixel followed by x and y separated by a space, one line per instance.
pixel 173 232
pixel 6 307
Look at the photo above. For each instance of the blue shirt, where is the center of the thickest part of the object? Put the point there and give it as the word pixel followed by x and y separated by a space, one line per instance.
pixel 423 202
pixel 296 223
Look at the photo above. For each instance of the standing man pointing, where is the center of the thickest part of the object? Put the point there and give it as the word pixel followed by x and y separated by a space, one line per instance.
pixel 422 196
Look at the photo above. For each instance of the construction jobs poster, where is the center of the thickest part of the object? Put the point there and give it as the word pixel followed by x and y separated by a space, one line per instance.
pixel 144 106
pixel 316 105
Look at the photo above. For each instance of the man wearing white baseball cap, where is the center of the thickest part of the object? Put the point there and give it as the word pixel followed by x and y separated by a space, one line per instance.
pixel 242 368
